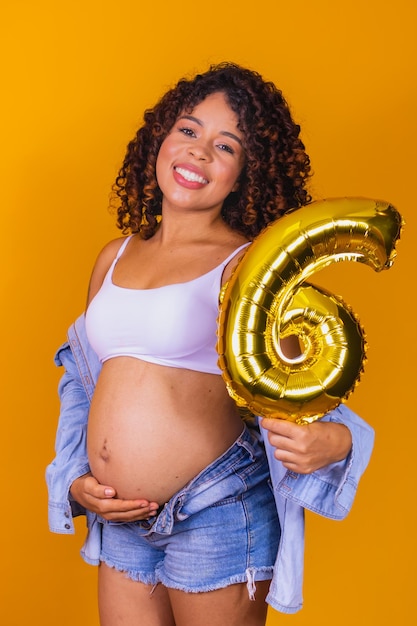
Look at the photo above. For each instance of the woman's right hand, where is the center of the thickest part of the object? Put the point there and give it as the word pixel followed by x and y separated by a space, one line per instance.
pixel 101 499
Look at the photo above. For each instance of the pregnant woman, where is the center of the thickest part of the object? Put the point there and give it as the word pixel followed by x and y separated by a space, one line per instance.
pixel 175 484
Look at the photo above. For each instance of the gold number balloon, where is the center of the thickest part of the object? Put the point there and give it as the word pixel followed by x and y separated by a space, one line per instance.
pixel 268 299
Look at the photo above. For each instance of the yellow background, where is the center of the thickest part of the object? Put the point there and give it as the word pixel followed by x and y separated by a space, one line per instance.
pixel 76 78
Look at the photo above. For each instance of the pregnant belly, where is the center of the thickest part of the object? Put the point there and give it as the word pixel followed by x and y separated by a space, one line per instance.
pixel 150 461
pixel 148 445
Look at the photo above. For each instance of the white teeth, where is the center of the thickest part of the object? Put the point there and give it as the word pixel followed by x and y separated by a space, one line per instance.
pixel 191 176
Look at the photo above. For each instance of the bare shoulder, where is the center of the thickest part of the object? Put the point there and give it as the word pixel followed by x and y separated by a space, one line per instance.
pixel 104 259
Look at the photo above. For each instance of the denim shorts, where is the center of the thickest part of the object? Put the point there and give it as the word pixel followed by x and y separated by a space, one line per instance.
pixel 221 528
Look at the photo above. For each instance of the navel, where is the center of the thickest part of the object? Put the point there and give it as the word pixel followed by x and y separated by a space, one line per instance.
pixel 104 452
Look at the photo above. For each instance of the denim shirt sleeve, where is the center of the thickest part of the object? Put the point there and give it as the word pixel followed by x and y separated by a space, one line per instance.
pixel 331 490
pixel 70 461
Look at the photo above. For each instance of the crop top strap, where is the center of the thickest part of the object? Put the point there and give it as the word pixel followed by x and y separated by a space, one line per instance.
pixel 122 247
pixel 229 258
pixel 235 252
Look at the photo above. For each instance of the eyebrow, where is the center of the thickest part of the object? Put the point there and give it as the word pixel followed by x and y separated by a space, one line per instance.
pixel 226 133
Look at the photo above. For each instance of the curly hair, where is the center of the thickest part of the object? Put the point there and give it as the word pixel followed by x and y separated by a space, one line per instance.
pixel 276 169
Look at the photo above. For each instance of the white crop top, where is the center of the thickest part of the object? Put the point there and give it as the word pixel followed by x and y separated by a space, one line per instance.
pixel 174 325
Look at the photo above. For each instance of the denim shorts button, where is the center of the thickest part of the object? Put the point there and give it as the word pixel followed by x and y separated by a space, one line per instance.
pixel 145 524
pixel 67 526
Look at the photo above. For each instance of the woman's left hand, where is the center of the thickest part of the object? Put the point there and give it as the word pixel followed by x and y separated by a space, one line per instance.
pixel 305 449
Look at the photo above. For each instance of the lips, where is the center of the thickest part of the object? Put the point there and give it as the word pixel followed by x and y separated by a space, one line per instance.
pixel 190 175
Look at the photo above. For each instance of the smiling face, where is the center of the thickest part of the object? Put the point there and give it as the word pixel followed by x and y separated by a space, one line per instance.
pixel 201 158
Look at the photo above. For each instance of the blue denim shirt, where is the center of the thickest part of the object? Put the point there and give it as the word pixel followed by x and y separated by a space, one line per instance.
pixel 329 491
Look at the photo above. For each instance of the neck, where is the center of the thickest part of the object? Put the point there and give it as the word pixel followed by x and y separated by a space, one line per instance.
pixel 191 227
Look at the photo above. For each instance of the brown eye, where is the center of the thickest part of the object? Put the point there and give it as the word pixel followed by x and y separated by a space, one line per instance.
pixel 226 148
pixel 187 131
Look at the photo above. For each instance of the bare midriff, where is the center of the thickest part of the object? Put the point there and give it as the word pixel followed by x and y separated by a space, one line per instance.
pixel 153 428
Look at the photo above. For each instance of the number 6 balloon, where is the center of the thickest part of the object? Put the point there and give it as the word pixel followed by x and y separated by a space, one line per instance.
pixel 268 299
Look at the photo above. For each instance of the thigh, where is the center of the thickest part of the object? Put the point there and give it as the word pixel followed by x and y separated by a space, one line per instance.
pixel 126 548
pixel 129 602
pixel 230 606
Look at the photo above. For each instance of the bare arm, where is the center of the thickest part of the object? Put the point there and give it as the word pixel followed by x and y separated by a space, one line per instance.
pixel 86 490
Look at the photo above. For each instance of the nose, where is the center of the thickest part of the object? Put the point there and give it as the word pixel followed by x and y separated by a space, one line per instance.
pixel 199 151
